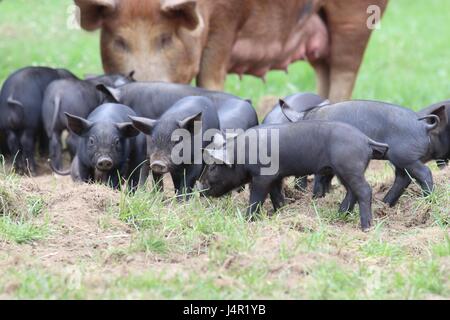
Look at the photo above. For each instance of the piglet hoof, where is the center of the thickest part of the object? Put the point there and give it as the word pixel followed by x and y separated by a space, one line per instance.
pixel 366 229
pixel 319 195
pixel 390 202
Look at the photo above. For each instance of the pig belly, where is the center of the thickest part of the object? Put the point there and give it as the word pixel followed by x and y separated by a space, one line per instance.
pixel 259 53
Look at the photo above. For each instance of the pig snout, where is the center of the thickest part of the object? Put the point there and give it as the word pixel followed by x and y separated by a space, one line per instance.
pixel 159 167
pixel 104 164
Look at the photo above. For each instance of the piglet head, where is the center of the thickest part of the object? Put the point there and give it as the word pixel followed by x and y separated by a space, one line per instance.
pixel 220 175
pixel 436 119
pixel 163 136
pixel 104 145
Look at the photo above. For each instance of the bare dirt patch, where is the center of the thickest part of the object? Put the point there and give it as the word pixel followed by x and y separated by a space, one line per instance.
pixel 84 233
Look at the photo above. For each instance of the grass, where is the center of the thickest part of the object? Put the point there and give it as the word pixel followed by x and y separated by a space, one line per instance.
pixel 404 63
pixel 205 248
pixel 18 212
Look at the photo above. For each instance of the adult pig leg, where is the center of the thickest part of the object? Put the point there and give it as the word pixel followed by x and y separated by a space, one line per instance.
pixel 349 35
pixel 401 182
pixel 216 56
pixel 322 70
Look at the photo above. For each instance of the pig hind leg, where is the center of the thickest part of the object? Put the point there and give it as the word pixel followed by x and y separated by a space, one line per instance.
pixel 422 174
pixel 28 142
pixel 351 174
pixel 348 204
pixel 56 150
pixel 14 148
pixel 43 143
pixel 401 182
pixel 361 190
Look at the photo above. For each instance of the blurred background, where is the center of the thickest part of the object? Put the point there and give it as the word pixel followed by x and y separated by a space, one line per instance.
pixel 407 62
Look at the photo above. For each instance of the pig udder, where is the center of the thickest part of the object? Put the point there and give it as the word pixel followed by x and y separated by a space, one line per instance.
pixel 309 41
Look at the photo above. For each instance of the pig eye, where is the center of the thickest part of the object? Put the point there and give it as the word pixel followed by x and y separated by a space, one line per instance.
pixel 91 141
pixel 121 44
pixel 117 142
pixel 165 40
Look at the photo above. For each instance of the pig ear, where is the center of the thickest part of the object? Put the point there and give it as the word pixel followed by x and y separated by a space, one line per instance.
pixel 92 12
pixel 185 10
pixel 219 156
pixel 218 140
pixel 189 122
pixel 437 119
pixel 144 125
pixel 290 114
pixel 127 130
pixel 130 76
pixel 78 125
pixel 324 103
pixel 113 94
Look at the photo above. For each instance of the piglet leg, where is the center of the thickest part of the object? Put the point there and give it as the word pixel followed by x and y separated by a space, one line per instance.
pixel 259 189
pixel 362 191
pixel 14 148
pixel 28 142
pixel 401 182
pixel 276 195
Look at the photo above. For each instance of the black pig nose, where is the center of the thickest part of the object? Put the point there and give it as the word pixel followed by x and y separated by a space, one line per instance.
pixel 104 163
pixel 159 167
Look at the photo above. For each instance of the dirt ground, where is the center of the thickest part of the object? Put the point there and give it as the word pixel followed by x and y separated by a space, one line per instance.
pixel 82 233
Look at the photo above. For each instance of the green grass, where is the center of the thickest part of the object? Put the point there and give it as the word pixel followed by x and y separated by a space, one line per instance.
pixel 405 62
pixel 19 213
pixel 206 248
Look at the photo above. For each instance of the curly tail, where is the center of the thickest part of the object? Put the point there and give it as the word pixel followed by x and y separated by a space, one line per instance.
pixel 435 121
pixel 379 150
pixel 58 172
